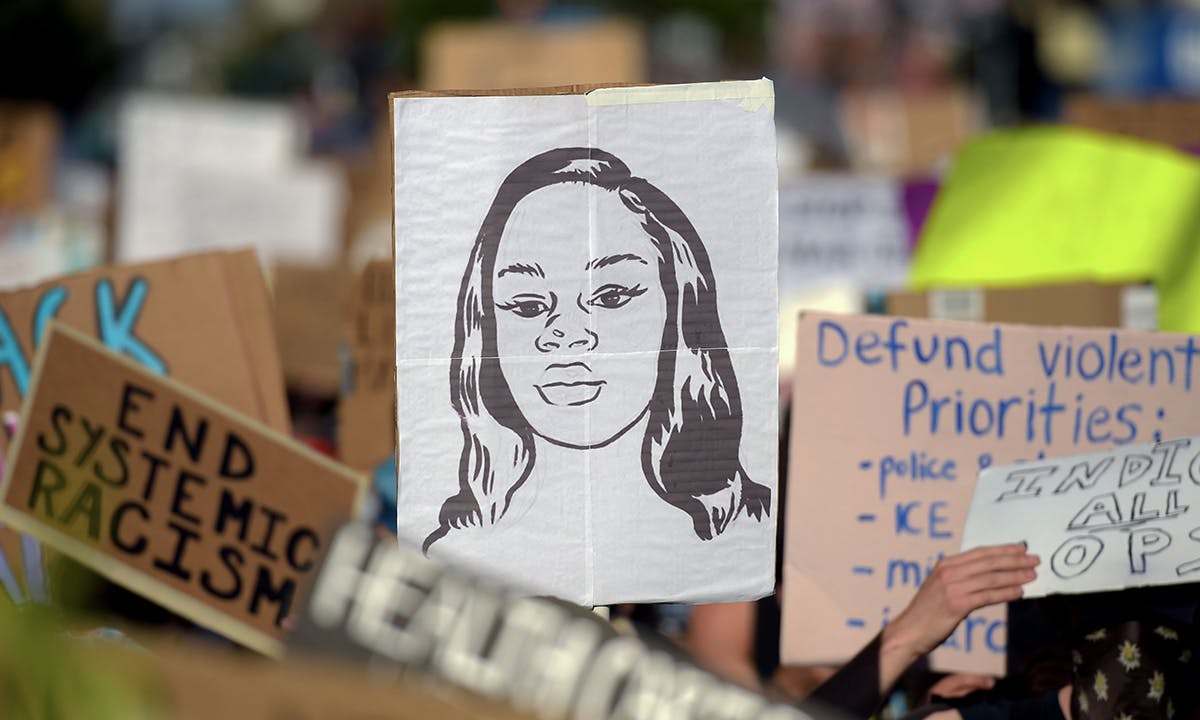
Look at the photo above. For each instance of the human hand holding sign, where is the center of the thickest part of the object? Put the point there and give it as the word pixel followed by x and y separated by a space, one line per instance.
pixel 958 585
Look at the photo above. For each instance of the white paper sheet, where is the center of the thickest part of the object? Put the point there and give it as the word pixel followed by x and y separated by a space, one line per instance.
pixel 841 229
pixel 1101 521
pixel 560 330
pixel 214 174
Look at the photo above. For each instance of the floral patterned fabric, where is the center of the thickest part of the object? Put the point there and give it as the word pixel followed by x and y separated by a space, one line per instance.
pixel 1136 669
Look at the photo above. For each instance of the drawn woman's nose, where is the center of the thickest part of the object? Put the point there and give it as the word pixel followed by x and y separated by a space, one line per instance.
pixel 569 334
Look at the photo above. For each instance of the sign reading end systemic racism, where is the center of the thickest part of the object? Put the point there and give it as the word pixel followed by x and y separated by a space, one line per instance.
pixel 1102 521
pixel 893 419
pixel 202 510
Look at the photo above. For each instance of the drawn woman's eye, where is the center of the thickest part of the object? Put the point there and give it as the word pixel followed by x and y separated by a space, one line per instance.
pixel 526 306
pixel 614 296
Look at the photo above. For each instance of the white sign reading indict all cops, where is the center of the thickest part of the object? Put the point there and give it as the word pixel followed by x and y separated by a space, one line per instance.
pixel 1101 521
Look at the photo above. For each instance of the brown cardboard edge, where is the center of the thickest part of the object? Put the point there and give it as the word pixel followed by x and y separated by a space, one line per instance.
pixel 395 376
pixel 241 272
pixel 825 314
pixel 101 270
pixel 506 92
pixel 1102 295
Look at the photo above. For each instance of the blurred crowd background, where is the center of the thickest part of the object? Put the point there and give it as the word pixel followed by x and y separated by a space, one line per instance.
pixel 135 129
pixel 993 62
pixel 887 87
pixel 879 86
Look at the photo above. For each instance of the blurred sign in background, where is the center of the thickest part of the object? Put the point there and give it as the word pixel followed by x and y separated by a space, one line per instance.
pixel 139 128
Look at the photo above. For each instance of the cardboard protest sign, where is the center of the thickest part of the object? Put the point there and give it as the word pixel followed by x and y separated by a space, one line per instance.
pixel 593 414
pixel 202 510
pixel 387 606
pixel 204 320
pixel 200 174
pixel 1101 521
pixel 308 318
pixel 367 407
pixel 892 419
pixel 493 55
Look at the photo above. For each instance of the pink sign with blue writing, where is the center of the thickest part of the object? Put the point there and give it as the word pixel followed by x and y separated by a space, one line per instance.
pixel 892 421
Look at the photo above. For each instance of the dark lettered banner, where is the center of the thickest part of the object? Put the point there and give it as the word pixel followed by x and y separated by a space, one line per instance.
pixel 200 509
pixel 388 604
pixel 1101 521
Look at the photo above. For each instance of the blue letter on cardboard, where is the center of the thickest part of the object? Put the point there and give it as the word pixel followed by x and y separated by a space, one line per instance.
pixel 11 355
pixel 116 325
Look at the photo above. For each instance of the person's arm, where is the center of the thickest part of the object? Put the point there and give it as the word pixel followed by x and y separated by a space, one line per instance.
pixel 957 586
pixel 721 638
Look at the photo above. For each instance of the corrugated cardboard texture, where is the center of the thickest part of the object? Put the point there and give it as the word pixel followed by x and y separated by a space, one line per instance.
pixel 308 318
pixel 579 89
pixel 206 317
pixel 367 409
pixel 28 143
pixel 1087 304
pixel 196 507
pixel 504 55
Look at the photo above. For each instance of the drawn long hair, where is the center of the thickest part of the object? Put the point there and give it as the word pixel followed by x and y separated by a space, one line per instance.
pixel 690 453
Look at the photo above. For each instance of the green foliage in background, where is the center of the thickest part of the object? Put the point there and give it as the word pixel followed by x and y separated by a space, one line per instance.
pixel 45 674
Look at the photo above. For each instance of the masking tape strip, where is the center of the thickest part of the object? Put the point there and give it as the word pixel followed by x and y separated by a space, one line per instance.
pixel 754 94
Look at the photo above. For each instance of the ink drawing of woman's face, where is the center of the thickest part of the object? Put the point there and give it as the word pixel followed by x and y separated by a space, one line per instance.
pixel 580 314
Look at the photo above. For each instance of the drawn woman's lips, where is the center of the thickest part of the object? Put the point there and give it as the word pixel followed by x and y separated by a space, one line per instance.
pixel 568 385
